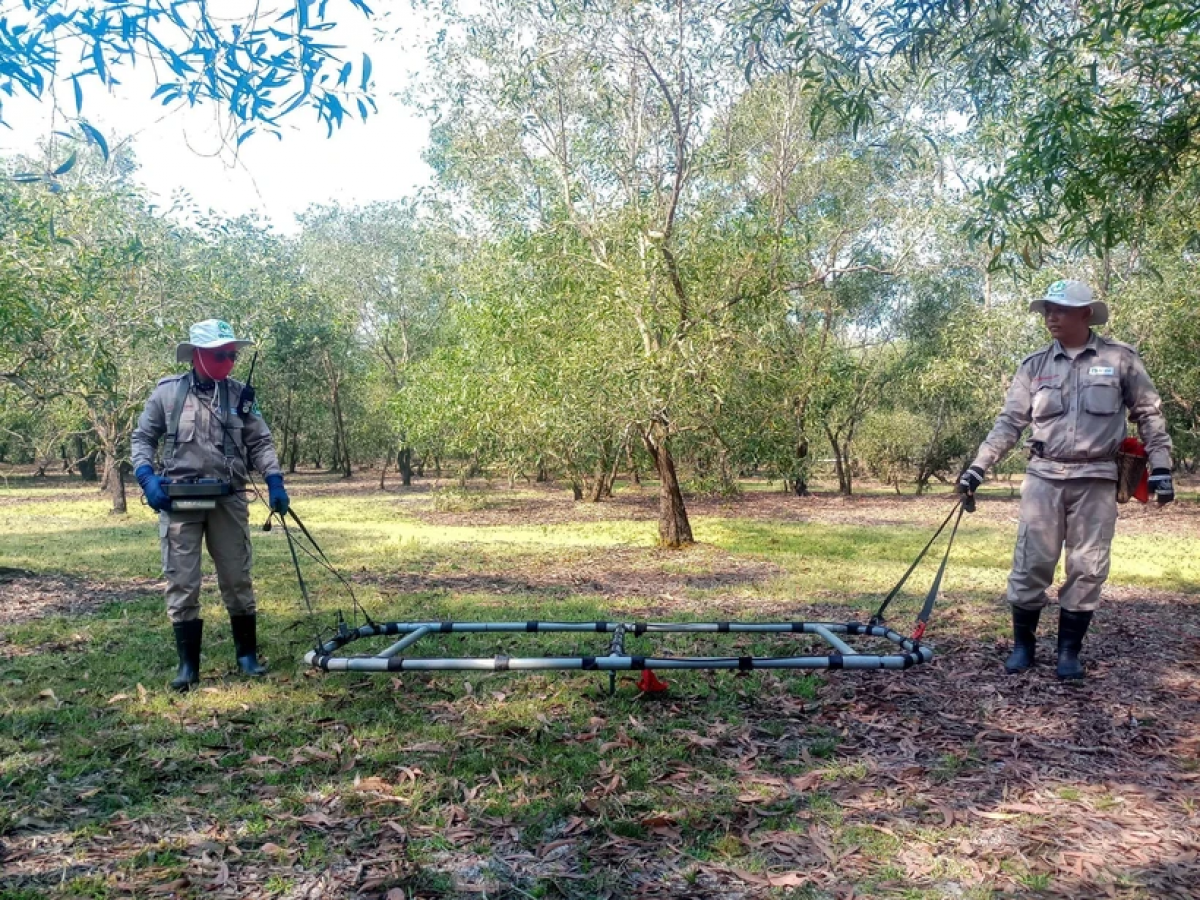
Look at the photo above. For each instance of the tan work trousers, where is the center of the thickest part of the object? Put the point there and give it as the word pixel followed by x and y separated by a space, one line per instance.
pixel 1078 512
pixel 227 531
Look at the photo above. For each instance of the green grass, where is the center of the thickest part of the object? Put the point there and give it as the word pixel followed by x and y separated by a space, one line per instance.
pixel 328 767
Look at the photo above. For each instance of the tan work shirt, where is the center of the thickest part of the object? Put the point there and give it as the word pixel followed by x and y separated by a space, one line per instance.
pixel 199 445
pixel 1077 409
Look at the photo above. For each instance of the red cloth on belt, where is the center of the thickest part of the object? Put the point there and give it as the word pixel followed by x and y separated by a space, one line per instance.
pixel 1135 447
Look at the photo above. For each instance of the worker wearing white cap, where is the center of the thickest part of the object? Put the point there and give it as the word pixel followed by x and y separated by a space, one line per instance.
pixel 1075 394
pixel 211 434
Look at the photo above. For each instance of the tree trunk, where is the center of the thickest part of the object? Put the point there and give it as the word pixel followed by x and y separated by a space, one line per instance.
pixel 293 452
pixel 114 472
pixel 339 421
pixel 85 462
pixel 674 529
pixel 285 429
pixel 341 424
pixel 596 493
pixel 799 482
pixel 336 454
pixel 611 477
pixel 387 458
pixel 404 464
pixel 841 461
pixel 576 489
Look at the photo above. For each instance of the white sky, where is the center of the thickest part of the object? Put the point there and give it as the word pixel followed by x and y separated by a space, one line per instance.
pixel 182 149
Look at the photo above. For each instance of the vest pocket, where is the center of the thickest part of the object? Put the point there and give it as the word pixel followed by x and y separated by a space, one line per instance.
pixel 187 423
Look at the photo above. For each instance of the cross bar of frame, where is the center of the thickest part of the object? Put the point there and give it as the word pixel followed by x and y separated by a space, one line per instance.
pixel 910 652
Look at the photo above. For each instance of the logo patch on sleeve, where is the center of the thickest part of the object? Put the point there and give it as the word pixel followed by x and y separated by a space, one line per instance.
pixel 1102 370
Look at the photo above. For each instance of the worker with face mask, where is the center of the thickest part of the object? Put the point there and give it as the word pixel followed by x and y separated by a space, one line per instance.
pixel 210 433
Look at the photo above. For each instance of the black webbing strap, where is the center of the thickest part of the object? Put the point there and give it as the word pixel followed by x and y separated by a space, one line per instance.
pixel 931 597
pixel 181 394
pixel 300 578
pixel 328 565
pixel 227 446
pixel 877 619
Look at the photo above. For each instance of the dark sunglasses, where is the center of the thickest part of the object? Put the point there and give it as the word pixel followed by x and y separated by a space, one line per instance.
pixel 222 355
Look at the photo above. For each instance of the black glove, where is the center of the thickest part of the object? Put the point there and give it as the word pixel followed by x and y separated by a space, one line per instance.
pixel 1162 486
pixel 970 480
pixel 156 497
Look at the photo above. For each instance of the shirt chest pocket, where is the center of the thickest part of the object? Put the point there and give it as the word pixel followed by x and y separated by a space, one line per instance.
pixel 1101 398
pixel 1047 402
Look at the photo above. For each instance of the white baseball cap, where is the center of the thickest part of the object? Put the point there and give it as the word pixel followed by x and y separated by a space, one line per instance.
pixel 1071 293
pixel 206 334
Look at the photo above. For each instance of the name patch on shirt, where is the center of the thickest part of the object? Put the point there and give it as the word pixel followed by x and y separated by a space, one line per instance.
pixel 1102 370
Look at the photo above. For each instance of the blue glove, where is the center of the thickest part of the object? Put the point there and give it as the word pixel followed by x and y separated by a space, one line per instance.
pixel 156 497
pixel 1161 485
pixel 277 497
pixel 970 480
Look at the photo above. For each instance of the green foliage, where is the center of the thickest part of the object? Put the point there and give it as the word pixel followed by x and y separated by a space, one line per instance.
pixel 257 68
pixel 733 277
pixel 1088 109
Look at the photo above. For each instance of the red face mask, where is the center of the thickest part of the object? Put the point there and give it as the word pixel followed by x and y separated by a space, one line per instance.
pixel 215 363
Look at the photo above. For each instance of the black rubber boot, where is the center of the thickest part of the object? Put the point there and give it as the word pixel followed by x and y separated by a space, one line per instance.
pixel 1072 627
pixel 1025 623
pixel 245 643
pixel 188 638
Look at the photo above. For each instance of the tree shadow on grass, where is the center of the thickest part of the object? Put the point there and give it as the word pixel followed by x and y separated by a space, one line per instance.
pixel 26 596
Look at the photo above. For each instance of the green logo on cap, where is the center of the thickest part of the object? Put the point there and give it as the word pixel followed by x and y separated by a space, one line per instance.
pixel 223 330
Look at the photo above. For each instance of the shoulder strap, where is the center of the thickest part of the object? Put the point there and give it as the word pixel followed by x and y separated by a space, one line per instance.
pixel 181 391
pixel 226 411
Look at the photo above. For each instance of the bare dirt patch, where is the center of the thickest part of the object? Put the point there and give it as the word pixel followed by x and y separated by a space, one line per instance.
pixel 612 572
pixel 25 596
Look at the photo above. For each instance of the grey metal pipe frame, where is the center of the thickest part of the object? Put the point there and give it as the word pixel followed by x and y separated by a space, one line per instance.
pixel 910 652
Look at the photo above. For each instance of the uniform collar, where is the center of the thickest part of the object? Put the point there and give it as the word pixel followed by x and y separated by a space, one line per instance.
pixel 1093 344
pixel 201 387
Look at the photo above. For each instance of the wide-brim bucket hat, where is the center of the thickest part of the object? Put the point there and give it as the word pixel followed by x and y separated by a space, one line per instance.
pixel 1071 293
pixel 206 335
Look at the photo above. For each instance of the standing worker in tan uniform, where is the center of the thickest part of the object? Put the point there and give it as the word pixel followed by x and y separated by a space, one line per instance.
pixel 211 431
pixel 1076 393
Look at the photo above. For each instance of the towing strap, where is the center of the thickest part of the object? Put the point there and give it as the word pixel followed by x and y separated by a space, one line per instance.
pixel 320 558
pixel 931 598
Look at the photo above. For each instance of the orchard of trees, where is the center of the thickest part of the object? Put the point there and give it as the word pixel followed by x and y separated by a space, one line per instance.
pixel 687 241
